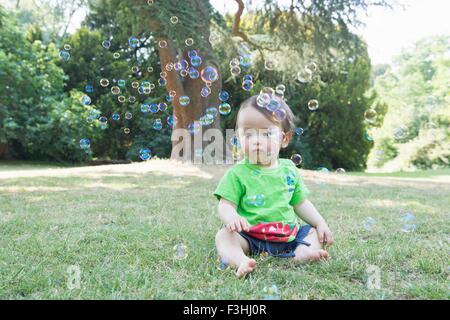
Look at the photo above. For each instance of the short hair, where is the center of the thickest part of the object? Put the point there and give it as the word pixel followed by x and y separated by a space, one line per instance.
pixel 287 125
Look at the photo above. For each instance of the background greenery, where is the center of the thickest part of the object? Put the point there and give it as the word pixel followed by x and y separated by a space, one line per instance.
pixel 41 117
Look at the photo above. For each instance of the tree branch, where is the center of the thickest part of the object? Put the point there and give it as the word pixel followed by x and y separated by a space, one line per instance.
pixel 236 28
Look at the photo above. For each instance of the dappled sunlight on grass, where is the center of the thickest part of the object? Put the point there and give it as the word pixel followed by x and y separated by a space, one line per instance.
pixel 157 166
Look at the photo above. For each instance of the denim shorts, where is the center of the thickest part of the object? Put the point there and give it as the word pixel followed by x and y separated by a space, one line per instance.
pixel 278 249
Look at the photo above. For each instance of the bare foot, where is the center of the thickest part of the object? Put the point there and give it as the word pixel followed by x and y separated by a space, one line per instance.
pixel 245 267
pixel 306 254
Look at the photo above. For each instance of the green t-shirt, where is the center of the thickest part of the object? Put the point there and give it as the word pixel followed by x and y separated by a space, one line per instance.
pixel 261 194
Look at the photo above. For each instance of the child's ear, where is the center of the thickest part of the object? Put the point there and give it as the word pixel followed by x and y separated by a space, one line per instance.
pixel 287 136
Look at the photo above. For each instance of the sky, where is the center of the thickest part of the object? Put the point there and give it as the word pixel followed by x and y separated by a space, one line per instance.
pixel 388 31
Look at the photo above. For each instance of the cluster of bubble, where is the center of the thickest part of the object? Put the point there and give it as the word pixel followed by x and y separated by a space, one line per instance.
pixel 407 221
pixel 65 53
pixel 306 74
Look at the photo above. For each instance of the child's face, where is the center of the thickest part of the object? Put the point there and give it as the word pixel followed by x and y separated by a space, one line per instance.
pixel 260 139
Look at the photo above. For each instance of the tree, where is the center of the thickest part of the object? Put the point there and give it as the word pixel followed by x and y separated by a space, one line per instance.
pixel 37 120
pixel 167 23
pixel 415 133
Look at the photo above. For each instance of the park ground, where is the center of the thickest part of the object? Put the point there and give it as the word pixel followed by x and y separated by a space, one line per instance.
pixel 118 225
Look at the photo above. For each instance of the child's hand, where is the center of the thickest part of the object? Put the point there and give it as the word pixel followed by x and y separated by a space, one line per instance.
pixel 324 233
pixel 237 223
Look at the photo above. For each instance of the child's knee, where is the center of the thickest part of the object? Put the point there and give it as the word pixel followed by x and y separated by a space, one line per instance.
pixel 221 234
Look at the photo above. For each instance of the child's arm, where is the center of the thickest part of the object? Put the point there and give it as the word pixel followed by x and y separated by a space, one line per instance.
pixel 307 212
pixel 229 216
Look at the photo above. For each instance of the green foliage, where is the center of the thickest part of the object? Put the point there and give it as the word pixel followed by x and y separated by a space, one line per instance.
pixel 37 120
pixel 90 62
pixel 417 122
pixel 334 135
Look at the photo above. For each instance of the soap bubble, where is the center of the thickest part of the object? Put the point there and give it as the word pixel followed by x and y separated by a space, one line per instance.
pixel 269 65
pixel 247 85
pixel 297 159
pixel 133 42
pixel 194 127
pixel 106 44
pixel 257 200
pixel 126 130
pixel 279 115
pixel 184 100
pixel 224 108
pixel 171 121
pixel 180 252
pixel 223 96
pixel 281 88
pixel 400 133
pixel 145 108
pixel 340 170
pixel 162 43
pixel 174 19
pixel 128 115
pixel 273 105
pixel 104 82
pixel 64 55
pixel 408 222
pixel 245 60
pixel 235 71
pixel 209 74
pixel 369 223
pixel 205 91
pixel 157 124
pixel 145 154
pixel 223 265
pixel 162 106
pixel 312 67
pixel 192 53
pixel 67 47
pixel 271 293
pixel 263 100
pixel 193 73
pixel 115 90
pixel 154 108
pixel 116 55
pixel 370 115
pixel 189 42
pixel 86 100
pixel 196 61
pixel 85 143
pixel 299 131
pixel 313 105
pixel 115 117
pixel 212 111
pixel 304 76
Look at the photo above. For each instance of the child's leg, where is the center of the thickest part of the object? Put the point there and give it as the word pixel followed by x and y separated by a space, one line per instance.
pixel 312 253
pixel 232 249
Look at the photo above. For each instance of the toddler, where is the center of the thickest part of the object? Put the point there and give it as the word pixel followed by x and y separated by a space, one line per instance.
pixel 261 196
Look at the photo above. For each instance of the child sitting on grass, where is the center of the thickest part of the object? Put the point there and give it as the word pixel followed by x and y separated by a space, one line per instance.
pixel 260 196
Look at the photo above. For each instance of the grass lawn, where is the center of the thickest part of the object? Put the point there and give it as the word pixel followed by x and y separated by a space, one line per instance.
pixel 119 224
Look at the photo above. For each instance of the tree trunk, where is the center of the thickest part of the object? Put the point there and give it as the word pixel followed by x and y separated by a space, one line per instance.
pixel 4 151
pixel 186 115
